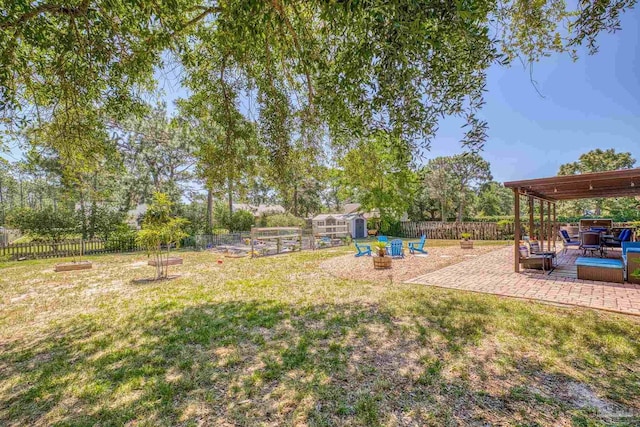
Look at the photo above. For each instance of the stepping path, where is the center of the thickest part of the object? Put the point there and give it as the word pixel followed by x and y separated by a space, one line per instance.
pixel 493 273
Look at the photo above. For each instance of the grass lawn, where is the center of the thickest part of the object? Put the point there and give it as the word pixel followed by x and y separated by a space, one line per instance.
pixel 278 341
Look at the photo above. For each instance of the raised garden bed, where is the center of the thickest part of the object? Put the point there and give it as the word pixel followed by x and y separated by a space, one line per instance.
pixel 71 266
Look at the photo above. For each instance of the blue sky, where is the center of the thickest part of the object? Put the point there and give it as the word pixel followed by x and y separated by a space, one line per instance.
pixel 588 104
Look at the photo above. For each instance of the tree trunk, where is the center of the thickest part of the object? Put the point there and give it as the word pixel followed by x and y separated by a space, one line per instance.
pixel 83 214
pixel 209 211
pixel 1 204
pixel 460 206
pixel 21 194
pixel 230 197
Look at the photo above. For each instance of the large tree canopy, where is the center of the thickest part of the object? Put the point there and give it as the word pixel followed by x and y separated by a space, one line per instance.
pixel 599 161
pixel 353 67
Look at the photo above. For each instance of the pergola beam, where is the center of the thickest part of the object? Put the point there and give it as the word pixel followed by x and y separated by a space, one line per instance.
pixel 596 193
pixel 569 179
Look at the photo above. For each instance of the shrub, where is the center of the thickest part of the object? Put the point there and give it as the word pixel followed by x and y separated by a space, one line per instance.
pixel 241 221
pixel 284 220
pixel 46 224
pixel 122 238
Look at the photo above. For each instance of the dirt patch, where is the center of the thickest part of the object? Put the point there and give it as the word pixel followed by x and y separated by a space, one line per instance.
pixel 350 267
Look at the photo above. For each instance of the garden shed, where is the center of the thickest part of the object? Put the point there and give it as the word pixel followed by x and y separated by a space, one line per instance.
pixel 337 225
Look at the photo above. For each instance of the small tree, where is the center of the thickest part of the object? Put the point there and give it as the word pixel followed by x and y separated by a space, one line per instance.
pixel 159 229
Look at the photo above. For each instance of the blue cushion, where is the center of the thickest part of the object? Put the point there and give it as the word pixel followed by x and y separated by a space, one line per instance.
pixel 599 262
pixel 634 250
pixel 628 245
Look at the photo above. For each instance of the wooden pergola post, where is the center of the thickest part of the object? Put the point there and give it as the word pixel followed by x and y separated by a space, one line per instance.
pixel 541 234
pixel 531 223
pixel 549 236
pixel 516 231
pixel 555 227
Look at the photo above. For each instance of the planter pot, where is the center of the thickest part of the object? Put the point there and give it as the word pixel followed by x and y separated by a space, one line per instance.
pixel 71 266
pixel 633 268
pixel 170 261
pixel 466 244
pixel 381 263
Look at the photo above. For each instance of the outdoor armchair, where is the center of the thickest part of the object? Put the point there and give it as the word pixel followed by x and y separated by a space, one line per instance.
pixel 567 242
pixel 418 246
pixel 396 249
pixel 590 241
pixel 362 250
pixel 616 242
pixel 528 260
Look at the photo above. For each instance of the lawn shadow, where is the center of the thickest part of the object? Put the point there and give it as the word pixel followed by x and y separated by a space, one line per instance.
pixel 251 362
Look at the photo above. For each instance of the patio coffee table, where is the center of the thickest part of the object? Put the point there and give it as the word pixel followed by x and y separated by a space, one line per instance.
pixel 600 269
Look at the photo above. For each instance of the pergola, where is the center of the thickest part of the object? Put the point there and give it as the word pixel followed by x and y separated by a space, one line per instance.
pixel 548 191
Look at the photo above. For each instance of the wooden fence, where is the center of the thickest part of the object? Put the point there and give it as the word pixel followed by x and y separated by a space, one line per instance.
pixel 454 230
pixel 68 248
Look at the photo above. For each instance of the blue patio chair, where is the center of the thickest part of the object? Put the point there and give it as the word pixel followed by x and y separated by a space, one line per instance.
pixel 592 242
pixel 363 250
pixel 567 242
pixel 418 246
pixel 395 249
pixel 383 239
pixel 616 242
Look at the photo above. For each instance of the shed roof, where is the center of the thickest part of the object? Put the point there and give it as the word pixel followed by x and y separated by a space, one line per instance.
pixel 338 216
pixel 618 183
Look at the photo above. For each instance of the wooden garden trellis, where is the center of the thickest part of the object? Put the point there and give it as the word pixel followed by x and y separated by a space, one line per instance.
pixel 278 234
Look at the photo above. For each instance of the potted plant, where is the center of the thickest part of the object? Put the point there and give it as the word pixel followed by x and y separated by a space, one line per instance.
pixel 382 261
pixel 161 231
pixel 466 242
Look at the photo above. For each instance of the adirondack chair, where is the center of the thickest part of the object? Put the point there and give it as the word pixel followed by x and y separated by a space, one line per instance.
pixel 363 250
pixel 395 249
pixel 418 246
pixel 383 239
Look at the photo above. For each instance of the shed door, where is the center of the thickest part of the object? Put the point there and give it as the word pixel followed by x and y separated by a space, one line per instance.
pixel 359 228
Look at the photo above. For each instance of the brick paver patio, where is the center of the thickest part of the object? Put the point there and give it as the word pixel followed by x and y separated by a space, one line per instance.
pixel 493 273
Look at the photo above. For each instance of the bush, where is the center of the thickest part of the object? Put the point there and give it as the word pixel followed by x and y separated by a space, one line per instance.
pixel 46 224
pixel 241 221
pixel 284 220
pixel 390 228
pixel 122 238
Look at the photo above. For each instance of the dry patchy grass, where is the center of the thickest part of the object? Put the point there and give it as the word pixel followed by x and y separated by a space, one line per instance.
pixel 279 341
